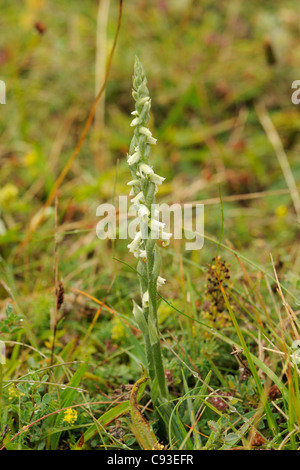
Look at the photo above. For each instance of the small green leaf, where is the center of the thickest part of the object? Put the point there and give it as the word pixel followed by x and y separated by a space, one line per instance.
pixel 140 426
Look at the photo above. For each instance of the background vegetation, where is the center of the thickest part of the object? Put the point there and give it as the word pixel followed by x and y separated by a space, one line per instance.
pixel 219 75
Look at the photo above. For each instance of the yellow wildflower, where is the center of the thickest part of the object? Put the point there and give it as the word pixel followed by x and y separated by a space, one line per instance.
pixel 117 331
pixel 70 416
pixel 30 158
pixel 13 393
pixel 7 194
pixel 281 211
pixel 158 446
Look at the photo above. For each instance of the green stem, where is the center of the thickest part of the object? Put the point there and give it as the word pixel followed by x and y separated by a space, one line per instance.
pixel 155 355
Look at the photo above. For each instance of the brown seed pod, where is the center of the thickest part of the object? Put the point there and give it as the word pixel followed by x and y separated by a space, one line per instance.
pixel 217 401
pixel 274 392
pixel 60 295
pixel 257 440
pixel 40 27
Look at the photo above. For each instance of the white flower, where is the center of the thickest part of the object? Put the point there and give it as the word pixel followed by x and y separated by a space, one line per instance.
pixel 145 131
pixel 160 281
pixel 133 183
pixel 144 170
pixel 143 212
pixel 135 244
pixel 156 225
pixel 145 299
pixel 142 254
pixel 138 198
pixel 135 121
pixel 156 179
pixel 134 158
pixel 151 140
pixel 165 236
